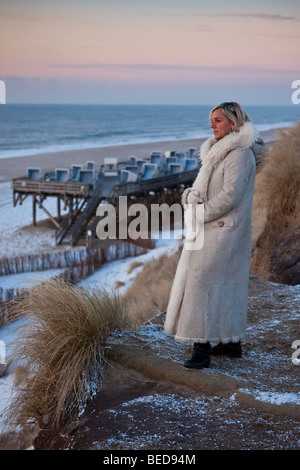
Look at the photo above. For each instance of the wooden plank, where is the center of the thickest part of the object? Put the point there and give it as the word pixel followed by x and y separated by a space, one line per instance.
pixel 34 210
pixel 50 187
pixel 50 216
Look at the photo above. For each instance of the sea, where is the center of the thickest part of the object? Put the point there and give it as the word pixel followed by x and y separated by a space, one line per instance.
pixel 30 129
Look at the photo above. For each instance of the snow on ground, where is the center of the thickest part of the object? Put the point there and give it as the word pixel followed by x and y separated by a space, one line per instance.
pixel 275 398
pixel 13 218
pixel 27 280
pixel 6 396
pixel 7 389
pixel 15 241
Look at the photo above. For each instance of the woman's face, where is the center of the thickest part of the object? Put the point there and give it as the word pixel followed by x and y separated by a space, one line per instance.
pixel 220 124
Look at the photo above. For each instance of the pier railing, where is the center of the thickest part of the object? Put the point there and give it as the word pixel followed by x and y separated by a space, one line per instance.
pixel 155 184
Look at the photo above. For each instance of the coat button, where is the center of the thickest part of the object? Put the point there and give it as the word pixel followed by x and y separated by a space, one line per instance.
pixel 221 223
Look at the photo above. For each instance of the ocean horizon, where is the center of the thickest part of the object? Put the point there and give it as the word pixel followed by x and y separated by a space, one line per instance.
pixel 32 129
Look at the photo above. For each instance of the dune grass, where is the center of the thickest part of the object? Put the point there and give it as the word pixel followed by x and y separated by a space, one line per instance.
pixel 276 198
pixel 278 183
pixel 60 351
pixel 133 266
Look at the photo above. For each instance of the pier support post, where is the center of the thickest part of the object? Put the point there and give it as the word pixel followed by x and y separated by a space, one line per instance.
pixel 34 209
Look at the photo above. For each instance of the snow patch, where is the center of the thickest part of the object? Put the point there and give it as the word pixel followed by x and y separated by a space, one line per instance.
pixel 276 398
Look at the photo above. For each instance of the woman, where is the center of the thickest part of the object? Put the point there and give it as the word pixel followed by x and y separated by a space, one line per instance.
pixel 209 296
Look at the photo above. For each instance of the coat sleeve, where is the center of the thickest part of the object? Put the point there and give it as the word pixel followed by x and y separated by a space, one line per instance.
pixel 238 168
pixel 184 196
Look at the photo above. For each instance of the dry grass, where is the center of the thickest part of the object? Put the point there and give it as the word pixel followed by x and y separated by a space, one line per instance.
pixel 60 348
pixel 149 292
pixel 118 284
pixel 134 265
pixel 277 187
pixel 276 203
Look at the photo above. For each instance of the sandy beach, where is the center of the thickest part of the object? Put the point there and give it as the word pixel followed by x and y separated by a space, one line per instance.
pixel 17 166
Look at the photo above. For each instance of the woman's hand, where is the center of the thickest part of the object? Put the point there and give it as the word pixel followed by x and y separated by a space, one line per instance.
pixel 194 197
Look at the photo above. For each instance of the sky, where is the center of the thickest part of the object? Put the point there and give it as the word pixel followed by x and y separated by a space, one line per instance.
pixel 149 52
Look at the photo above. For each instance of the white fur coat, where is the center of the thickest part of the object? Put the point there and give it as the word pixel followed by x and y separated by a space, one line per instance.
pixel 209 296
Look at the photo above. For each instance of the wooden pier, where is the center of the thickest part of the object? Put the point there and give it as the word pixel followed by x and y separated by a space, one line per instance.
pixel 81 193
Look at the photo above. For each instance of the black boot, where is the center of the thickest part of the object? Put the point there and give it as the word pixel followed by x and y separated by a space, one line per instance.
pixel 227 349
pixel 200 358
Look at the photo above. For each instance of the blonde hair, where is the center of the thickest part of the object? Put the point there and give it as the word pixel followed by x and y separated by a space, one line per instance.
pixel 234 112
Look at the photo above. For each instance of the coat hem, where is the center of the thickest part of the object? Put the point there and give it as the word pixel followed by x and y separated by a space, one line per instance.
pixel 231 339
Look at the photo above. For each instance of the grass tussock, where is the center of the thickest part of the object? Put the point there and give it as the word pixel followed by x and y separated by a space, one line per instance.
pixel 60 350
pixel 276 203
pixel 277 189
pixel 133 266
pixel 149 292
pixel 119 284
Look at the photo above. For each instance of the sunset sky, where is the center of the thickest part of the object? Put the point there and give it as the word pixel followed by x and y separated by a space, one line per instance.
pixel 149 52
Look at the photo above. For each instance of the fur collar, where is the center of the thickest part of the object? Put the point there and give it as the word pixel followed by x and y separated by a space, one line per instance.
pixel 213 151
